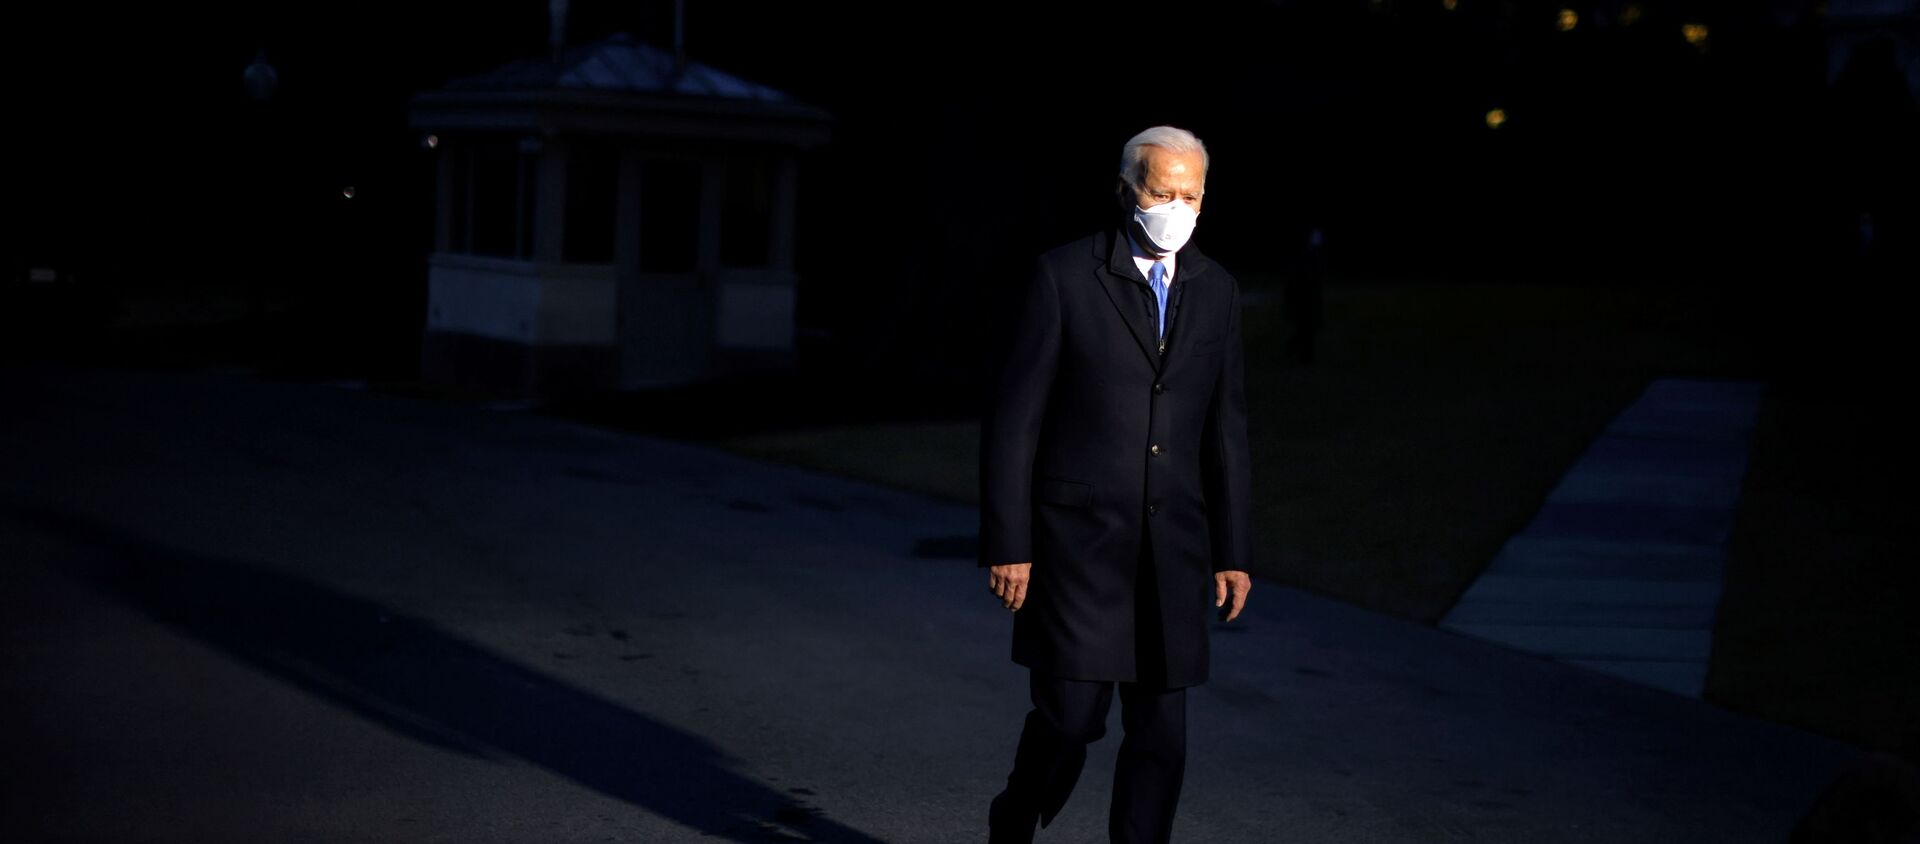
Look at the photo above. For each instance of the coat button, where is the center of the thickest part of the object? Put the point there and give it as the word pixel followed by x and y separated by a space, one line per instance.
pixel 1153 509
pixel 1154 450
pixel 1159 388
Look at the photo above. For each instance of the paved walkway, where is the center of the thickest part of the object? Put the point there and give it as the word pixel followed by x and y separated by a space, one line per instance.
pixel 1621 570
pixel 234 610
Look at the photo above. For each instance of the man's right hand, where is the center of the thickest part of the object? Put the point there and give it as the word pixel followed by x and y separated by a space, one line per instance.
pixel 1009 582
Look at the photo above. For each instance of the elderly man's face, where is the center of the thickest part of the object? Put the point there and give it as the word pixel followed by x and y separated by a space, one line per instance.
pixel 1171 176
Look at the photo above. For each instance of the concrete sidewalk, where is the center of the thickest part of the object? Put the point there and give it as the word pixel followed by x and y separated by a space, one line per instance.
pixel 1621 570
pixel 237 610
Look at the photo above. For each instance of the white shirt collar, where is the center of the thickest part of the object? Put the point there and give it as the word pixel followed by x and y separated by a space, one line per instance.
pixel 1143 260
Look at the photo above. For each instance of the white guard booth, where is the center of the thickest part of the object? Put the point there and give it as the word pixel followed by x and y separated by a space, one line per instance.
pixel 616 219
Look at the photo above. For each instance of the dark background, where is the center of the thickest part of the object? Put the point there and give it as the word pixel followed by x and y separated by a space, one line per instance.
pixel 969 136
pixel 1649 209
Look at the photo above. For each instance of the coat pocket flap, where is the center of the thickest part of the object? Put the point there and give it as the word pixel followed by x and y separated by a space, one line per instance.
pixel 1064 493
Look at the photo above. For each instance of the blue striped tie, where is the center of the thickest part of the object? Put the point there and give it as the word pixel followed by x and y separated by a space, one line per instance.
pixel 1157 276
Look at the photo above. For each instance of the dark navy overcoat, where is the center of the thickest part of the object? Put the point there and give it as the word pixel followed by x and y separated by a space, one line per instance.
pixel 1096 441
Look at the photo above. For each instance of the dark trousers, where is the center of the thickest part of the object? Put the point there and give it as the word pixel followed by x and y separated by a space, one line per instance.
pixel 1067 716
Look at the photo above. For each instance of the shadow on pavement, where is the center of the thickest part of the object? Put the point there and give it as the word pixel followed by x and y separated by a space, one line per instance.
pixel 422 682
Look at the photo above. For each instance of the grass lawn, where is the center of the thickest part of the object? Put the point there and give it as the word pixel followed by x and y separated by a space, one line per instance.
pixel 1817 626
pixel 1437 418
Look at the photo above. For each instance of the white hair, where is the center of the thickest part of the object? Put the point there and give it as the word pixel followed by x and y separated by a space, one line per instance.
pixel 1133 156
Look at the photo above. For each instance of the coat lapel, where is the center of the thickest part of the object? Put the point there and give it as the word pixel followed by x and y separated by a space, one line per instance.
pixel 1123 283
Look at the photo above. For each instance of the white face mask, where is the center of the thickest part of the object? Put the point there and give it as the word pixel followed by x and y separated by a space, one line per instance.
pixel 1166 226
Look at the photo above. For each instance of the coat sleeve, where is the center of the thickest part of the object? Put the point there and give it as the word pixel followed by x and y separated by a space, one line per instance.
pixel 1010 433
pixel 1227 462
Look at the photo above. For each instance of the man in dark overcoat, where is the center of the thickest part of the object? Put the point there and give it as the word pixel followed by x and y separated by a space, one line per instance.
pixel 1115 488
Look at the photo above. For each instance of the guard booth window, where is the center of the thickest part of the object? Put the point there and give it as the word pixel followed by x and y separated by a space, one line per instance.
pixel 459 196
pixel 669 215
pixel 494 202
pixel 593 183
pixel 746 219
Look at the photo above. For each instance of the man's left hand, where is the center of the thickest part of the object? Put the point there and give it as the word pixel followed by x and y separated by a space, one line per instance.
pixel 1232 584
